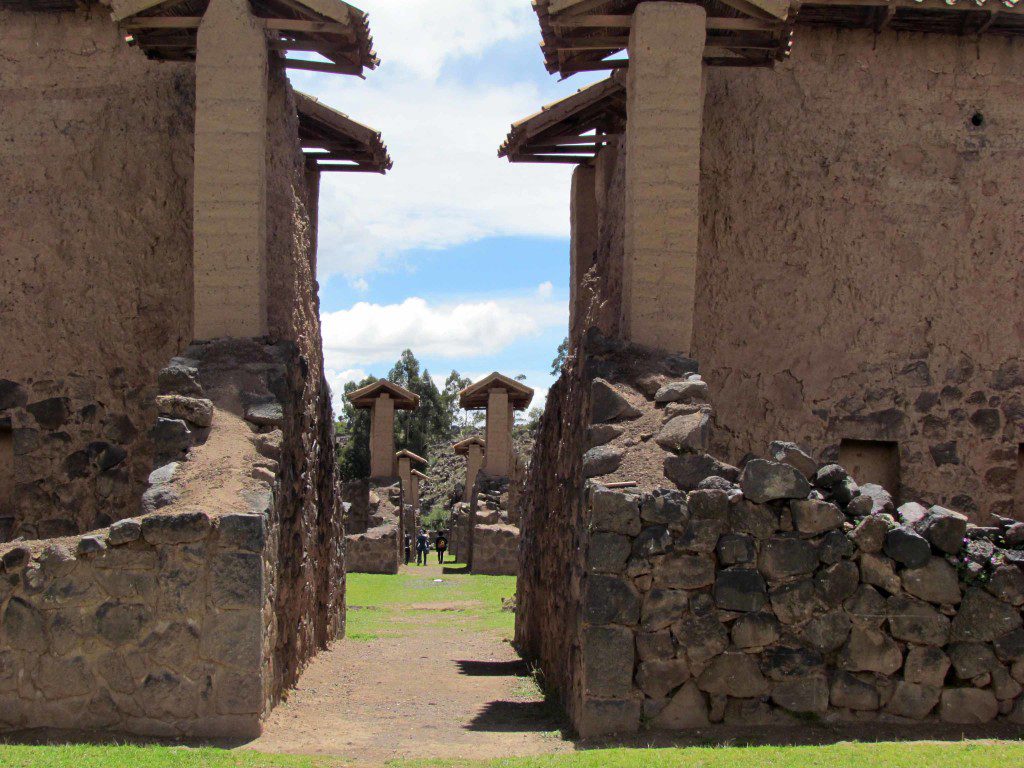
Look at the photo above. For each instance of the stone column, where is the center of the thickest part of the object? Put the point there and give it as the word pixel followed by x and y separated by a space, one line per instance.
pixel 313 209
pixel 382 437
pixel 415 493
pixel 665 101
pixel 230 184
pixel 498 458
pixel 583 242
pixel 474 460
pixel 405 475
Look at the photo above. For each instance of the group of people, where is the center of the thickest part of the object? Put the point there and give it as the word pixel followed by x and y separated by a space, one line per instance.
pixel 423 544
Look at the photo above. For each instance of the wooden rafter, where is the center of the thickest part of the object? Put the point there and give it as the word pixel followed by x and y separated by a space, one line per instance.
pixel 330 137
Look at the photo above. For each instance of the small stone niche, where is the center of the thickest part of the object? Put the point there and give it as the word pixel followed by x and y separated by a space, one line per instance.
pixel 6 480
pixel 873 461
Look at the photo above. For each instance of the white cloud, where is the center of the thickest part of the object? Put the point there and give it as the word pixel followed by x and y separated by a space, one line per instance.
pixel 361 285
pixel 421 35
pixel 443 114
pixel 545 289
pixel 374 333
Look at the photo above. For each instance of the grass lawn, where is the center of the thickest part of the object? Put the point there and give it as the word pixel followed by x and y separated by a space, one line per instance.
pixel 976 754
pixel 388 606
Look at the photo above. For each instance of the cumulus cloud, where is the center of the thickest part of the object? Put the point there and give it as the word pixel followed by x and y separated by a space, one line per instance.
pixel 443 116
pixel 368 334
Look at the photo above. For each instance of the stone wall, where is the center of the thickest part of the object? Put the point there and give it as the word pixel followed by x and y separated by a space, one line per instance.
pixel 378 548
pixel 492 540
pixel 847 267
pixel 190 619
pixel 97 244
pixel 685 592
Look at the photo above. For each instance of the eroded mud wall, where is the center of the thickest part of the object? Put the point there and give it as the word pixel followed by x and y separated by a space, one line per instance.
pixel 95 260
pixel 861 257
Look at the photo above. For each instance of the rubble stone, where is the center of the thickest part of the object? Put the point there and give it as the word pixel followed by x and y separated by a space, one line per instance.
pixel 763 481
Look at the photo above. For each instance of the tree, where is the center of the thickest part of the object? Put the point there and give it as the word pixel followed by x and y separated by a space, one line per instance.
pixel 354 427
pixel 415 430
pixel 453 385
pixel 561 358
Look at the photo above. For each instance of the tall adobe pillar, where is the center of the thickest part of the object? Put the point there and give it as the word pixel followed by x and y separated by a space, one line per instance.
pixel 382 399
pixel 407 475
pixel 473 449
pixel 665 103
pixel 230 185
pixel 501 397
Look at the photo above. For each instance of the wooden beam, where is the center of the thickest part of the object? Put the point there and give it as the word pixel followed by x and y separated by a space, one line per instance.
pixel 547 159
pixel 300 25
pixel 323 66
pixel 625 22
pixel 596 66
pixel 162 22
pixel 318 47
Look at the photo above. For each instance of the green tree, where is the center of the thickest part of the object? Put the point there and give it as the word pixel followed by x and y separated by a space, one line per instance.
pixel 453 385
pixel 416 429
pixel 561 358
pixel 354 430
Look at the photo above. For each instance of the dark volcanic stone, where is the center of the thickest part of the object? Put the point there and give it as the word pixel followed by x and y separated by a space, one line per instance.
pixel 944 528
pixel 602 460
pixel 740 589
pixel 611 600
pixel 608 404
pixel 905 546
pixel 50 413
pixel 783 557
pixel 763 481
pixel 688 470
pixel 180 377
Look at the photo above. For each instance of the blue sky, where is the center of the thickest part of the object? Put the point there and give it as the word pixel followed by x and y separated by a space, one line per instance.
pixel 456 253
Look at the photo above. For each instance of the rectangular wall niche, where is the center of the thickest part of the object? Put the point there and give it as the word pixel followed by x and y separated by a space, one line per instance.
pixel 873 461
pixel 6 480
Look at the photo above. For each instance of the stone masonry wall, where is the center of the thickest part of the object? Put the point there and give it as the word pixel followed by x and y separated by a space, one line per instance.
pixel 96 243
pixel 379 548
pixel 493 540
pixel 848 267
pixel 753 595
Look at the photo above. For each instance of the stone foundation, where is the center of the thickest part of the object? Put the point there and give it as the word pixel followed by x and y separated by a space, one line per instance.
pixel 378 548
pixel 663 588
pixel 491 542
pixel 191 618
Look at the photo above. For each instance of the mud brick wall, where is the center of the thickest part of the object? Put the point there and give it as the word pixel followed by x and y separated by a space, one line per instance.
pixel 905 218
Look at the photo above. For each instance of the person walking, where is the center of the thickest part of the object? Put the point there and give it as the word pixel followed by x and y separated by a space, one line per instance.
pixel 408 548
pixel 422 547
pixel 441 545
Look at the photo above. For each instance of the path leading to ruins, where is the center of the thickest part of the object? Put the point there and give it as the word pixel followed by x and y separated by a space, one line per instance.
pixel 426 671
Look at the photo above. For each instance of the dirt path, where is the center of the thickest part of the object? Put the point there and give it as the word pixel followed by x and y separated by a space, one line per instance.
pixel 437 691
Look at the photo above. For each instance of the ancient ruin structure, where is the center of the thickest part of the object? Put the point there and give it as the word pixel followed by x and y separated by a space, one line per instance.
pixel 176 556
pixel 678 568
pixel 373 544
pixel 491 533
pixel 473 449
pixel 751 258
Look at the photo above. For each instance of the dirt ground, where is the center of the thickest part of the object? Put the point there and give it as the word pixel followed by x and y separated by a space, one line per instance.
pixel 435 691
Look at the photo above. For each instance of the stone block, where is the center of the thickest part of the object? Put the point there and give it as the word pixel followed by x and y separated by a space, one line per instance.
pixel 943 528
pixel 870 533
pixel 687 709
pixel 735 549
pixel 983 618
pixel 607 403
pixel 606 717
pixel 688 432
pixel 759 521
pixel 740 589
pixel 849 692
pixel 176 528
pixel 611 600
pixel 785 557
pixel 701 638
pixel 804 695
pixel 814 517
pixel 755 630
pixel 936 581
pixel 837 583
pixel 195 410
pixel 653 540
pixel 796 602
pixel 763 481
pixel 968 706
pixel 265 414
pixel 608 657
pixel 870 650
pixel 879 571
pixel 913 700
pixel 907 547
pixel 615 512
pixel 926 666
pixel 121 623
pixel 245 532
pixel 655 646
pixel 915 621
pixel 733 674
pixel 662 607
pixel 124 532
pixel 827 632
pixel 795 456
pixel 678 570
pixel 658 679
pixel 23 626
pixel 689 469
pixel 665 507
pixel 708 504
pixel 233 638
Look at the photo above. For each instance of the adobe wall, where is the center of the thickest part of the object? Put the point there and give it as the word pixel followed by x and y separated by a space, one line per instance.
pixel 96 240
pixel 856 233
pixel 664 589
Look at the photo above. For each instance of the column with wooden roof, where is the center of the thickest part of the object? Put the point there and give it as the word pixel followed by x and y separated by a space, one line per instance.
pixel 501 397
pixel 234 44
pixel 404 459
pixel 418 478
pixel 473 449
pixel 382 399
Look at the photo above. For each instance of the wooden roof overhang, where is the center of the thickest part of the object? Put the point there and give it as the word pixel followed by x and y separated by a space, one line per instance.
pixel 407 454
pixel 581 35
pixel 462 447
pixel 474 397
pixel 167 29
pixel 957 17
pixel 572 130
pixel 332 141
pixel 420 475
pixel 365 397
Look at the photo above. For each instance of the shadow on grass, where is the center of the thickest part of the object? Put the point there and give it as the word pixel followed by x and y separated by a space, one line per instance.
pixel 517 716
pixel 455 568
pixel 517 668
